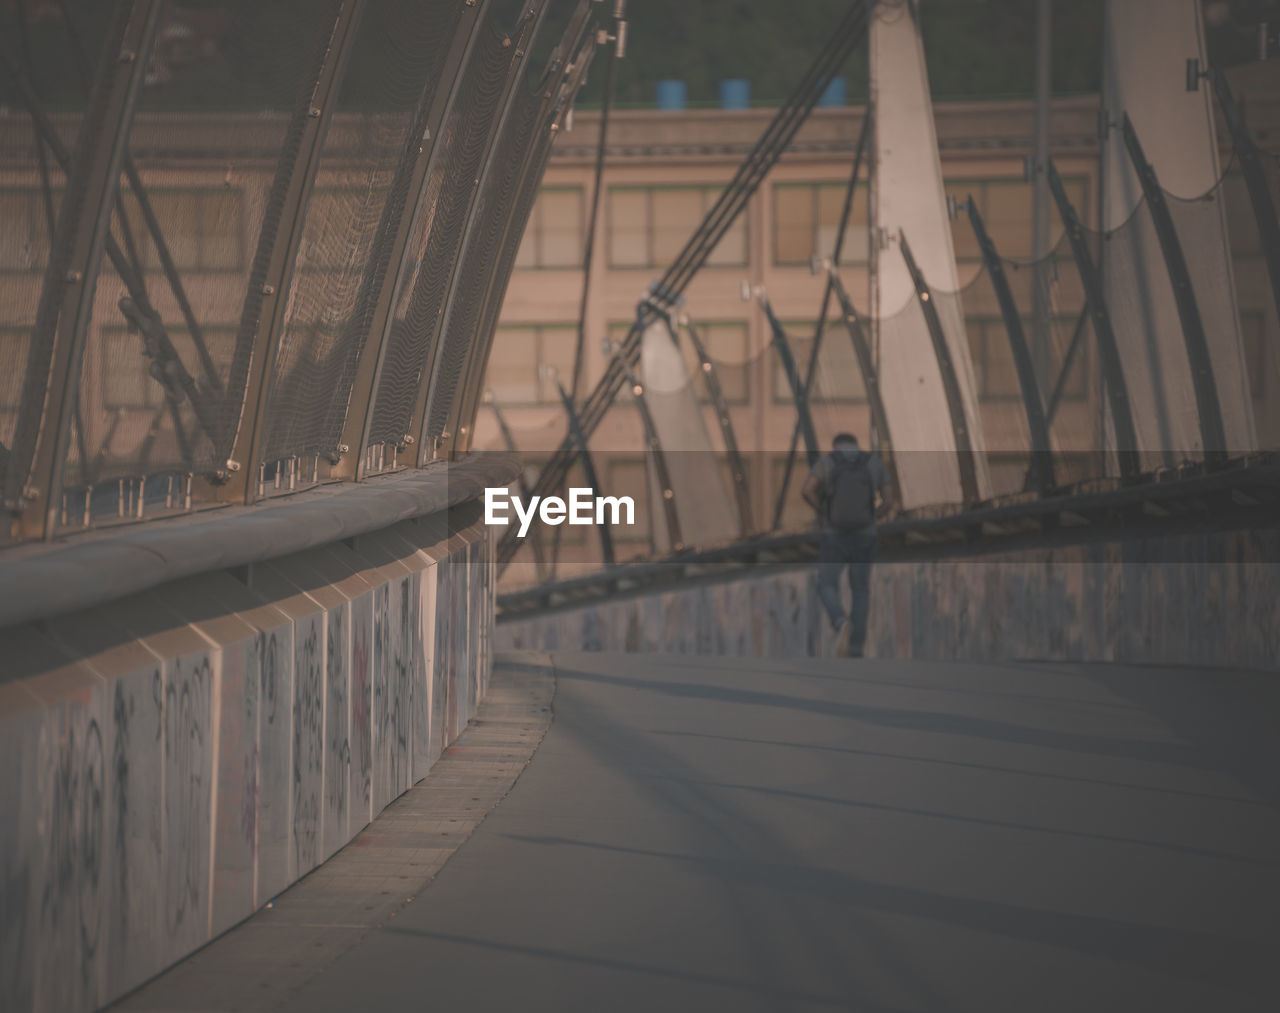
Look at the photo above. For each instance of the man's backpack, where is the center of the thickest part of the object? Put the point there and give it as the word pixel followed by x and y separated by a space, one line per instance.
pixel 850 493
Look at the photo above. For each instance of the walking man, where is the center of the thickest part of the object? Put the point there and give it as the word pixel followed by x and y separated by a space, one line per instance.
pixel 843 488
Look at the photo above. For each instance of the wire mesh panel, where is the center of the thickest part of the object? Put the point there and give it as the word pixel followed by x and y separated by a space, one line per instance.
pixel 360 195
pixel 524 200
pixel 481 256
pixel 437 237
pixel 157 391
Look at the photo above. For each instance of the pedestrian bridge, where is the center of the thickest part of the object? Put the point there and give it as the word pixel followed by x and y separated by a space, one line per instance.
pixel 271 738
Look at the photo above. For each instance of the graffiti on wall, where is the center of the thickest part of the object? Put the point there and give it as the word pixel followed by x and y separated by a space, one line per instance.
pixel 361 714
pixel 308 746
pixel 186 789
pixel 75 834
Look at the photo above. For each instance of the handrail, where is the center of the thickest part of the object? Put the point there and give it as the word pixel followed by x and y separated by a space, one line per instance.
pixel 1244 492
pixel 41 580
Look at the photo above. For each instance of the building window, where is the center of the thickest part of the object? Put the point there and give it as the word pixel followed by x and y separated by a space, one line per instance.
pixel 527 360
pixel 838 380
pixel 554 234
pixel 14 343
pixel 649 226
pixel 203 228
pixel 24 229
pixel 806 221
pixel 127 382
pixel 994 367
pixel 1005 206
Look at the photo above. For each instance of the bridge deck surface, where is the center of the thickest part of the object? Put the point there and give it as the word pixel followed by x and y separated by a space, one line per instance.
pixel 773 835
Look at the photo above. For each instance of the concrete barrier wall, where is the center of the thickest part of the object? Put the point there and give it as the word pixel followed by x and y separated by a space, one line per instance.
pixel 173 760
pixel 1203 599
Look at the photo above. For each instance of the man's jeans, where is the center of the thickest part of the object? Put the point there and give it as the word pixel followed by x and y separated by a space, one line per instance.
pixel 857 551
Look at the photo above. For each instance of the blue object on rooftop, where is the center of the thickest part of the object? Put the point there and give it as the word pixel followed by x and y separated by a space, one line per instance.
pixel 735 93
pixel 671 95
pixel 834 94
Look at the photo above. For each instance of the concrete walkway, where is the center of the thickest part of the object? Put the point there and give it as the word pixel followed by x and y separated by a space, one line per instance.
pixel 705 834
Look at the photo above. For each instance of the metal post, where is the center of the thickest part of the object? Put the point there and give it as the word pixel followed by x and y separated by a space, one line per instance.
pixel 870 373
pixel 438 100
pixel 509 441
pixel 947 370
pixel 52 384
pixel 1212 431
pixel 589 244
pixel 1040 474
pixel 737 471
pixel 588 468
pixel 783 347
pixel 262 319
pixel 1108 352
pixel 667 493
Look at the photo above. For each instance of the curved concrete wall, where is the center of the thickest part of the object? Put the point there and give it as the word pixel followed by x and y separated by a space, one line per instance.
pixel 173 760
pixel 1208 599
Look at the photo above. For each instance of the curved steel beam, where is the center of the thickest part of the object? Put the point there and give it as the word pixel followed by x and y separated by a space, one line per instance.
pixel 1212 431
pixel 267 298
pixel 51 386
pixel 1108 352
pixel 588 468
pixel 560 83
pixel 711 377
pixel 667 493
pixel 783 347
pixel 870 374
pixel 820 329
pixel 1264 208
pixel 380 285
pixel 950 381
pixel 431 445
pixel 1040 473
